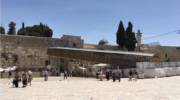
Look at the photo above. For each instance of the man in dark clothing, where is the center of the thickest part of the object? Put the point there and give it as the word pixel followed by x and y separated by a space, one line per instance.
pixel 9 74
pixel 119 75
pixel 107 75
pixel 97 75
pixel 114 76
pixel 46 75
pixel 130 75
pixel 24 79
pixel 16 80
pixel 65 74
pixel 122 72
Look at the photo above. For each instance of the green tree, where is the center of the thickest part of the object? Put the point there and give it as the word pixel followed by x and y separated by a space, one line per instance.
pixel 12 28
pixel 40 30
pixel 2 30
pixel 121 35
pixel 130 38
pixel 47 31
pixel 23 25
pixel 132 42
pixel 22 31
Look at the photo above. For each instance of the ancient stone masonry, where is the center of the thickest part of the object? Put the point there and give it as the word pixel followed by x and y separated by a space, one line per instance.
pixel 25 51
pixel 29 51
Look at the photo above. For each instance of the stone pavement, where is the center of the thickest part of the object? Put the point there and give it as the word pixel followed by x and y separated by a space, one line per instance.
pixel 91 89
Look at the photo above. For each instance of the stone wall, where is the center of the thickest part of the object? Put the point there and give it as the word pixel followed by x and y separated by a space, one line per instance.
pixel 30 51
pixel 165 53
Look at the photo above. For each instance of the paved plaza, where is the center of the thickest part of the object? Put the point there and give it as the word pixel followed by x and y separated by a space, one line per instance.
pixel 91 89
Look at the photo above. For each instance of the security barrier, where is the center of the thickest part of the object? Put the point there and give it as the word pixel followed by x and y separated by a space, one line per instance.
pixel 157 69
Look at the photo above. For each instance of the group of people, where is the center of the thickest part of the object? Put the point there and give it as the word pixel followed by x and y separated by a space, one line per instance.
pixel 25 78
pixel 117 75
pixel 65 74
pixel 133 75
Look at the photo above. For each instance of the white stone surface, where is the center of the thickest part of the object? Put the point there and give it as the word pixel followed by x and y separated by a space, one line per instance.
pixel 91 89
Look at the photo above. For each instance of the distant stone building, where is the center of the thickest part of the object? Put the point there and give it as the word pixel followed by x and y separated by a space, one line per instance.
pixel 72 41
pixel 164 53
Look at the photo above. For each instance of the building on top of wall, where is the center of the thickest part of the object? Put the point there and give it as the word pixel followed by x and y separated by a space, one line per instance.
pixel 165 53
pixel 72 41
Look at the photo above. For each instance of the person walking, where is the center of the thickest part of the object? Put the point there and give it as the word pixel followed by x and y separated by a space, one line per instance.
pixel 107 75
pixel 9 74
pixel 101 76
pixel 122 72
pixel 24 79
pixel 70 73
pixel 16 79
pixel 114 76
pixel 135 75
pixel 119 75
pixel 130 75
pixel 65 74
pixel 45 75
pixel 97 75
pixel 29 77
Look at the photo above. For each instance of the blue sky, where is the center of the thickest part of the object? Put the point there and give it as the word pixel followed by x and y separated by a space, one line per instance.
pixel 98 19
